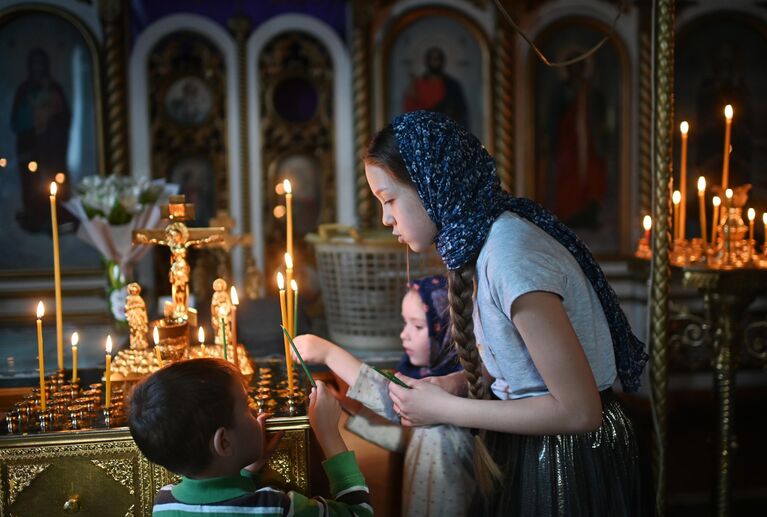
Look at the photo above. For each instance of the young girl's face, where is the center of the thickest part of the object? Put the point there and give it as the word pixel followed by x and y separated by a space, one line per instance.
pixel 415 333
pixel 402 209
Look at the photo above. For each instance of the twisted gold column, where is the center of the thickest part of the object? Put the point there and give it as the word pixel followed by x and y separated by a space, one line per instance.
pixel 240 25
pixel 663 114
pixel 362 116
pixel 116 124
pixel 503 88
pixel 645 123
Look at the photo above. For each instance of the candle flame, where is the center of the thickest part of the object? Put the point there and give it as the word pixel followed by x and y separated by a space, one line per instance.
pixel 233 296
pixel 75 339
pixel 288 261
pixel 294 286
pixel 40 310
pixel 54 188
pixel 701 184
pixel 717 201
pixel 156 336
pixel 647 223
pixel 200 335
pixel 109 343
pixel 728 111
pixel 676 197
pixel 764 217
pixel 287 187
pixel 728 193
pixel 751 214
pixel 684 127
pixel 280 281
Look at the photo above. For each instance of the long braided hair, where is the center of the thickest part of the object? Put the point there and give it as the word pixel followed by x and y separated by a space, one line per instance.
pixel 383 151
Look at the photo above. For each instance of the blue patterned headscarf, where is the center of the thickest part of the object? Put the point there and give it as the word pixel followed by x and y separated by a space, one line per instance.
pixel 456 180
pixel 442 358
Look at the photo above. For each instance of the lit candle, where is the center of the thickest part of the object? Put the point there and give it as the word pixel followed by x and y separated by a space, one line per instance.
pixel 201 339
pixel 676 198
pixel 289 213
pixel 283 310
pixel 108 373
pixel 40 356
pixel 684 127
pixel 716 201
pixel 751 217
pixel 235 302
pixel 702 208
pixel 647 224
pixel 57 279
pixel 156 338
pixel 222 316
pixel 726 158
pixel 727 206
pixel 289 284
pixel 294 288
pixel 764 220
pixel 75 341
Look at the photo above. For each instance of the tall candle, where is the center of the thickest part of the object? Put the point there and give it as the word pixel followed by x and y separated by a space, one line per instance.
pixel 201 339
pixel 684 127
pixel 751 217
pixel 702 209
pixel 726 159
pixel 647 224
pixel 289 214
pixel 75 341
pixel 235 302
pixel 40 356
pixel 108 373
pixel 57 279
pixel 676 198
pixel 294 288
pixel 156 339
pixel 283 311
pixel 727 206
pixel 289 284
pixel 716 201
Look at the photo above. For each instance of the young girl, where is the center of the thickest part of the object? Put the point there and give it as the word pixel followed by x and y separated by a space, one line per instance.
pixel 438 475
pixel 530 304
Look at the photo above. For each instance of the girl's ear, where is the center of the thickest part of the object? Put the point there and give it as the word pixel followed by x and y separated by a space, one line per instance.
pixel 220 443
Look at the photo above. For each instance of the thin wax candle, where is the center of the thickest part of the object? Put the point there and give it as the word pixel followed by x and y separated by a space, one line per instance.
pixel 717 202
pixel 40 357
pixel 294 288
pixel 201 339
pixel 108 373
pixel 726 158
pixel 156 339
pixel 75 341
pixel 684 127
pixel 283 311
pixel 57 280
pixel 235 302
pixel 702 209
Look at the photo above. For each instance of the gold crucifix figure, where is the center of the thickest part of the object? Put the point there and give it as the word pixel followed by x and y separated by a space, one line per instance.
pixel 179 238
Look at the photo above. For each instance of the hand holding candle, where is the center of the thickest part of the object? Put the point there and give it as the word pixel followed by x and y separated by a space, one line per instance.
pixel 57 280
pixel 298 355
pixel 40 356
pixel 702 208
pixel 235 302
pixel 75 341
pixel 108 373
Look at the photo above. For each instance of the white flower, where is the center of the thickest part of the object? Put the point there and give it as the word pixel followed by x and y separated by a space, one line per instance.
pixel 117 300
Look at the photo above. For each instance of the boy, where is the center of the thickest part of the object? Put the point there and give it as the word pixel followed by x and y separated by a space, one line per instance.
pixel 192 417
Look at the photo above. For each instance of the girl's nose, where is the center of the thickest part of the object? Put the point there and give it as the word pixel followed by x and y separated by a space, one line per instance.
pixel 387 219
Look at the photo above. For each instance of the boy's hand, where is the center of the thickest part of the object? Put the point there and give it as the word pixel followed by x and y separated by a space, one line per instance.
pixel 272 440
pixel 313 349
pixel 324 411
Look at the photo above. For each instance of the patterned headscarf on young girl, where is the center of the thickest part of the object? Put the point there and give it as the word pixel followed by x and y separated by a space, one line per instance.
pixel 457 182
pixel 442 357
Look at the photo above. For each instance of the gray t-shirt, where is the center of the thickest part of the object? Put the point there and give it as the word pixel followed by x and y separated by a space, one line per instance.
pixel 518 258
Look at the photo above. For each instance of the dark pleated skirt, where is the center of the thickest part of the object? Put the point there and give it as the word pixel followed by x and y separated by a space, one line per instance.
pixel 591 474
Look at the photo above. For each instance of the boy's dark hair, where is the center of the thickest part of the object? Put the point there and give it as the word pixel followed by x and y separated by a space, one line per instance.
pixel 175 412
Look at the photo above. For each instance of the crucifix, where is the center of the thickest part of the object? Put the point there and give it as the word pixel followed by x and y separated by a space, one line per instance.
pixel 178 238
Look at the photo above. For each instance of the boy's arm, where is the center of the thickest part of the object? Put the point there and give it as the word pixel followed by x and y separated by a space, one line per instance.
pixel 347 486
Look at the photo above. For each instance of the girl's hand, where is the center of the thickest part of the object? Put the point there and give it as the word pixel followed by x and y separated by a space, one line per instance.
pixel 454 383
pixel 422 404
pixel 313 349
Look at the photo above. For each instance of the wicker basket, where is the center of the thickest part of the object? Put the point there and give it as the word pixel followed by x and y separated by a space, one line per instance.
pixel 363 276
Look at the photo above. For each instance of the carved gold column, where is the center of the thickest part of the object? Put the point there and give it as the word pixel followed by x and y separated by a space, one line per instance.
pixel 113 16
pixel 663 116
pixel 728 294
pixel 241 25
pixel 503 102
pixel 645 118
pixel 361 57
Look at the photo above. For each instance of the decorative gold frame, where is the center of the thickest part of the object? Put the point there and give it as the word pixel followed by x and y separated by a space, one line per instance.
pixel 382 54
pixel 624 131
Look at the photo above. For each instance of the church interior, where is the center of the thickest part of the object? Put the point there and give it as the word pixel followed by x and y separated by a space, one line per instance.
pixel 183 179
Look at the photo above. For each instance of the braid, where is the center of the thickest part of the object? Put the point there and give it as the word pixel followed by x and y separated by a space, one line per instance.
pixel 460 291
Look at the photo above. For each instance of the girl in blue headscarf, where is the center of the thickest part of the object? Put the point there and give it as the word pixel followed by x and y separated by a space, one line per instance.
pixel 528 303
pixel 438 477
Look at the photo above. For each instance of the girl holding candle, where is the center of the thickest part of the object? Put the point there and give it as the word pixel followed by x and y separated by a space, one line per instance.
pixel 438 476
pixel 553 337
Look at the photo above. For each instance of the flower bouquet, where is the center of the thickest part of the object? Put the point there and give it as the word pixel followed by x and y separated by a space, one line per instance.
pixel 109 209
